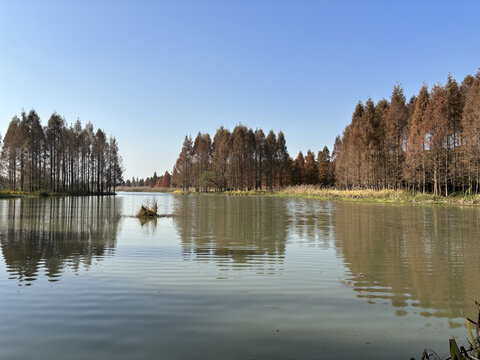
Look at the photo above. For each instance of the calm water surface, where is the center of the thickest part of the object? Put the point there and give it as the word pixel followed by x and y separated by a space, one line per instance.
pixel 233 278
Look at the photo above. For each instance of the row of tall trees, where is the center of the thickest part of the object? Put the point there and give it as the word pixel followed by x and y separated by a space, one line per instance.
pixel 430 143
pixel 313 171
pixel 244 159
pixel 58 157
pixel 162 181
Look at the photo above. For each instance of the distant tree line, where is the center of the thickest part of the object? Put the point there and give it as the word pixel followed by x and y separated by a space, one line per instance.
pixel 430 143
pixel 244 159
pixel 58 157
pixel 162 181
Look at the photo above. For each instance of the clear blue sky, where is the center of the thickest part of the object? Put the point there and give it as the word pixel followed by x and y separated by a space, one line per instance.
pixel 151 72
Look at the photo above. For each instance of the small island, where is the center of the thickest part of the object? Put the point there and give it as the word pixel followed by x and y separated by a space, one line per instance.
pixel 146 212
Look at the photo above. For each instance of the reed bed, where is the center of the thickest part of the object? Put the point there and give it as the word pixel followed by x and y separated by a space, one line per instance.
pixel 316 191
pixel 322 193
pixel 383 195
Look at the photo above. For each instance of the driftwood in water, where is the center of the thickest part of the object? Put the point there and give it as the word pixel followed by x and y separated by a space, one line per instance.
pixel 148 210
pixel 151 212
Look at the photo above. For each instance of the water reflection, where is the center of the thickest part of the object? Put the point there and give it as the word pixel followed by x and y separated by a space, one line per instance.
pixel 419 259
pixel 426 257
pixel 233 232
pixel 311 221
pixel 48 235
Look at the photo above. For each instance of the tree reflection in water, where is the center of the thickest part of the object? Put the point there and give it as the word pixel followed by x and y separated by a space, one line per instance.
pixel 421 259
pixel 418 258
pixel 233 232
pixel 48 235
pixel 422 256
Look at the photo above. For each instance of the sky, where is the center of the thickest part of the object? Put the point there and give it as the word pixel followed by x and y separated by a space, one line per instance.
pixel 151 72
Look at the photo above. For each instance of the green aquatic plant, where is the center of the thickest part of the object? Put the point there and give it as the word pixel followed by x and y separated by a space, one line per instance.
pixel 472 352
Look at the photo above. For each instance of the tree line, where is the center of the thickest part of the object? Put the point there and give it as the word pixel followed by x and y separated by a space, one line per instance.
pixel 246 159
pixel 430 143
pixel 162 181
pixel 58 157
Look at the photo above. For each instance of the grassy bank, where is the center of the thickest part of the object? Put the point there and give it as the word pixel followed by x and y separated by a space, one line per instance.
pixel 385 196
pixel 8 194
pixel 388 195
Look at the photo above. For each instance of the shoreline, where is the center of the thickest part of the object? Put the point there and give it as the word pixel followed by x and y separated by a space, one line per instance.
pixel 16 194
pixel 294 192
pixel 327 194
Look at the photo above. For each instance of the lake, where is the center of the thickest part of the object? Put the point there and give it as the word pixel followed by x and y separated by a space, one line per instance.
pixel 233 278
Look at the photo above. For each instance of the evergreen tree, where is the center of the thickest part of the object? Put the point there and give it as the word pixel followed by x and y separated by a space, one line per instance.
pixel 415 163
pixel 311 169
pixel 325 176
